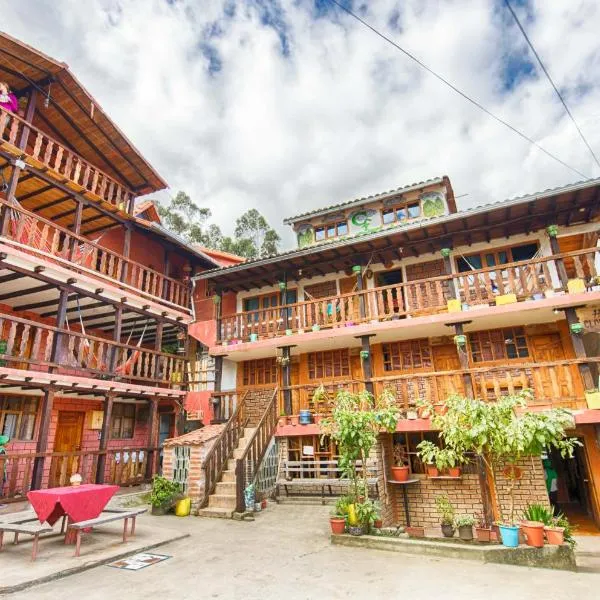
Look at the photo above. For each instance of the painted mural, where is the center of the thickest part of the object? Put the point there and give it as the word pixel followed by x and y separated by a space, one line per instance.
pixel 433 204
pixel 305 235
pixel 364 220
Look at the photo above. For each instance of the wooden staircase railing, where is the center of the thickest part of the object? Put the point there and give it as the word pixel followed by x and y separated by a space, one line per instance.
pixel 216 459
pixel 246 468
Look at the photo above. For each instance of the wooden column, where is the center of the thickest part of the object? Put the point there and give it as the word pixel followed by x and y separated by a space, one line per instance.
pixel 577 339
pixel 559 262
pixel 61 315
pixel 283 300
pixel 10 196
pixel 217 408
pixel 448 270
pixel 126 251
pixel 463 357
pixel 218 313
pixel 29 113
pixel 116 337
pixel 131 205
pixel 76 229
pixel 159 336
pixel 42 441
pixel 286 373
pixel 104 436
pixel 362 305
pixel 179 420
pixel 165 289
pixel 152 464
pixel 366 363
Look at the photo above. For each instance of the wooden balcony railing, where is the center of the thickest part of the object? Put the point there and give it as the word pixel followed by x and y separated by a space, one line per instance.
pixel 527 280
pixel 554 384
pixel 224 404
pixel 50 153
pixel 123 466
pixel 43 237
pixel 29 346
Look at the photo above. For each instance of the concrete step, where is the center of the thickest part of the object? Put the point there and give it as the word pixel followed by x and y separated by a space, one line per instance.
pixel 248 431
pixel 228 476
pixel 231 464
pixel 238 452
pixel 215 513
pixel 221 501
pixel 225 488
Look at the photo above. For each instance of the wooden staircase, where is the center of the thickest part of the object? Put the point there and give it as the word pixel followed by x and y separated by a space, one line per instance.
pixel 233 461
pixel 222 503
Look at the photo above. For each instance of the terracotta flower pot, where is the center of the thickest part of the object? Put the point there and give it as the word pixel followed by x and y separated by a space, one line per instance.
pixel 400 473
pixel 534 533
pixel 484 534
pixel 555 535
pixel 378 524
pixel 415 532
pixel 338 525
pixel 448 530
pixel 294 419
pixel 432 471
pixel 454 471
pixel 282 421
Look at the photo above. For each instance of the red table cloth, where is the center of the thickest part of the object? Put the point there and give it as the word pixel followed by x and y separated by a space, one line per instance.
pixel 79 503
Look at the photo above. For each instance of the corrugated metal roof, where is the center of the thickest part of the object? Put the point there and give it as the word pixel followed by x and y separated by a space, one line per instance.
pixel 334 243
pixel 363 200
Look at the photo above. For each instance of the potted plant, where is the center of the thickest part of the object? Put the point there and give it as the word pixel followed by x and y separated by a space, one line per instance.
pixel 282 419
pixel 446 512
pixel 367 513
pixel 428 453
pixel 559 531
pixel 339 514
pixel 465 527
pixel 400 470
pixel 415 531
pixel 164 495
pixel 482 531
pixel 535 517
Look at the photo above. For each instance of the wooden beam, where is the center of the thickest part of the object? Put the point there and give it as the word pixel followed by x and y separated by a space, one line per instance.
pixel 104 436
pixel 18 293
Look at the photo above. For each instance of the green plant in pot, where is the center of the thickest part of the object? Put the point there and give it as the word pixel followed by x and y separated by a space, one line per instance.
pixel 445 509
pixel 400 470
pixel 428 453
pixel 367 513
pixel 465 527
pixel 164 495
pixel 339 515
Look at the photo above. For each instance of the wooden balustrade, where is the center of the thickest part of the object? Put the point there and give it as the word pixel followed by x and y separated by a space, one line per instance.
pixel 46 151
pixel 221 451
pixel 302 396
pixel 29 346
pixel 43 237
pixel 123 466
pixel 224 404
pixel 526 279
pixel 248 464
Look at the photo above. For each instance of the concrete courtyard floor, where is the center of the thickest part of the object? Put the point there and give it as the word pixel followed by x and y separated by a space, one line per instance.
pixel 286 554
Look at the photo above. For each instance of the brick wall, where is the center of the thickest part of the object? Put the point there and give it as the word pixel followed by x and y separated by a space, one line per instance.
pixel 256 404
pixel 425 270
pixel 321 290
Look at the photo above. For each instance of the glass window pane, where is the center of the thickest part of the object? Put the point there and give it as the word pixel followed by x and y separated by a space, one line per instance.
pixel 524 252
pixel 330 231
pixel 9 426
pixel 319 234
pixel 401 213
pixel 414 211
pixel 292 296
pixel 490 260
pixel 342 228
pixel 502 258
pixel 388 216
pixel 472 262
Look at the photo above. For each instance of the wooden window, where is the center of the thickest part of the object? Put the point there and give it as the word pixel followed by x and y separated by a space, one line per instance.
pixel 17 417
pixel 312 447
pixel 329 364
pixel 404 212
pixel 403 356
pixel 496 257
pixel 331 230
pixel 260 372
pixel 261 307
pixel 122 421
pixel 498 344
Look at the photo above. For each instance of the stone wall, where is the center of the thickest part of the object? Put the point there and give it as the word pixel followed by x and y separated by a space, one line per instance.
pixel 256 404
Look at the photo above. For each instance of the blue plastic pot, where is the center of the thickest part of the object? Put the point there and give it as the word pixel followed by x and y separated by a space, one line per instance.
pixel 510 535
pixel 305 417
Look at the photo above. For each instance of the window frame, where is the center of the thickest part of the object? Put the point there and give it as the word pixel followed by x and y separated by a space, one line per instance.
pixel 117 407
pixel 335 225
pixel 504 331
pixel 313 370
pixel 22 416
pixel 483 254
pixel 400 347
pixel 394 210
pixel 260 367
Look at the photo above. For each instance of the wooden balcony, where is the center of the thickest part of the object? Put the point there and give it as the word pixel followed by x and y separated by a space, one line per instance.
pixel 42 237
pixel 29 347
pixel 43 151
pixel 527 280
pixel 555 384
pixel 123 466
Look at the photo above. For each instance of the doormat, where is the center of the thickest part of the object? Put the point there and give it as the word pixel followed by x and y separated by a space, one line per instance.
pixel 138 561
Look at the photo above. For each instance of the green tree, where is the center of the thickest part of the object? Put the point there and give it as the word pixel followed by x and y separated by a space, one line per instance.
pixel 252 226
pixel 185 218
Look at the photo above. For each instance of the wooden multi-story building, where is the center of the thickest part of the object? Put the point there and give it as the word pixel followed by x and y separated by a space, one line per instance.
pixel 94 293
pixel 402 291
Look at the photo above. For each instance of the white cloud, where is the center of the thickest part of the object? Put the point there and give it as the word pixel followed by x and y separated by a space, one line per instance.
pixel 343 114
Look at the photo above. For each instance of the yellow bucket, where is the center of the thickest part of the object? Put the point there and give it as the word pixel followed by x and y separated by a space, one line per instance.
pixel 183 507
pixel 352 518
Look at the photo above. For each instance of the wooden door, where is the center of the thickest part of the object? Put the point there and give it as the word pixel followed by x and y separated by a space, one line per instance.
pixel 553 384
pixel 445 358
pixel 69 432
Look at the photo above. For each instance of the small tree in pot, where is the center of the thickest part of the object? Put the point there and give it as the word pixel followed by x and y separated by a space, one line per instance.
pixel 465 527
pixel 164 495
pixel 446 511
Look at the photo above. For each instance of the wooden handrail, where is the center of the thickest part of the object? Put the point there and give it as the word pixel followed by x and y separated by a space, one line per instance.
pixel 97 352
pixel 406 298
pixel 222 450
pixel 61 243
pixel 44 149
pixel 248 464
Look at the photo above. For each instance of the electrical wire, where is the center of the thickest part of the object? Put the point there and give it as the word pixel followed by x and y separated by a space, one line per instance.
pixel 560 97
pixel 457 90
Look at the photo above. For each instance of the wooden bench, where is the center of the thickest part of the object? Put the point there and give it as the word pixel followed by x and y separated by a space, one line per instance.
pixel 108 516
pixel 320 474
pixel 34 529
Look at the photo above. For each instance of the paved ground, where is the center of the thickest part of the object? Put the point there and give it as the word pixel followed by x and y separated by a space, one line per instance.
pixel 285 554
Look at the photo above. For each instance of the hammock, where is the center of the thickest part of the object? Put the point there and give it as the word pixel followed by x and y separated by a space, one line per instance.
pixel 126 368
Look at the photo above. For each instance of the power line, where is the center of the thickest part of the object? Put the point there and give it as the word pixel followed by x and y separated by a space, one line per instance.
pixel 530 44
pixel 454 88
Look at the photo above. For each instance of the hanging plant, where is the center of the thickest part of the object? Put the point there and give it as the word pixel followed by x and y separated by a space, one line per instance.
pixel 356 269
pixel 445 252
pixel 577 328
pixel 552 230
pixel 282 285
pixel 364 354
pixel 460 340
pixel 216 299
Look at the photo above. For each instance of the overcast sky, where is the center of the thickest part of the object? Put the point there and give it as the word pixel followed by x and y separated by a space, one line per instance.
pixel 289 105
